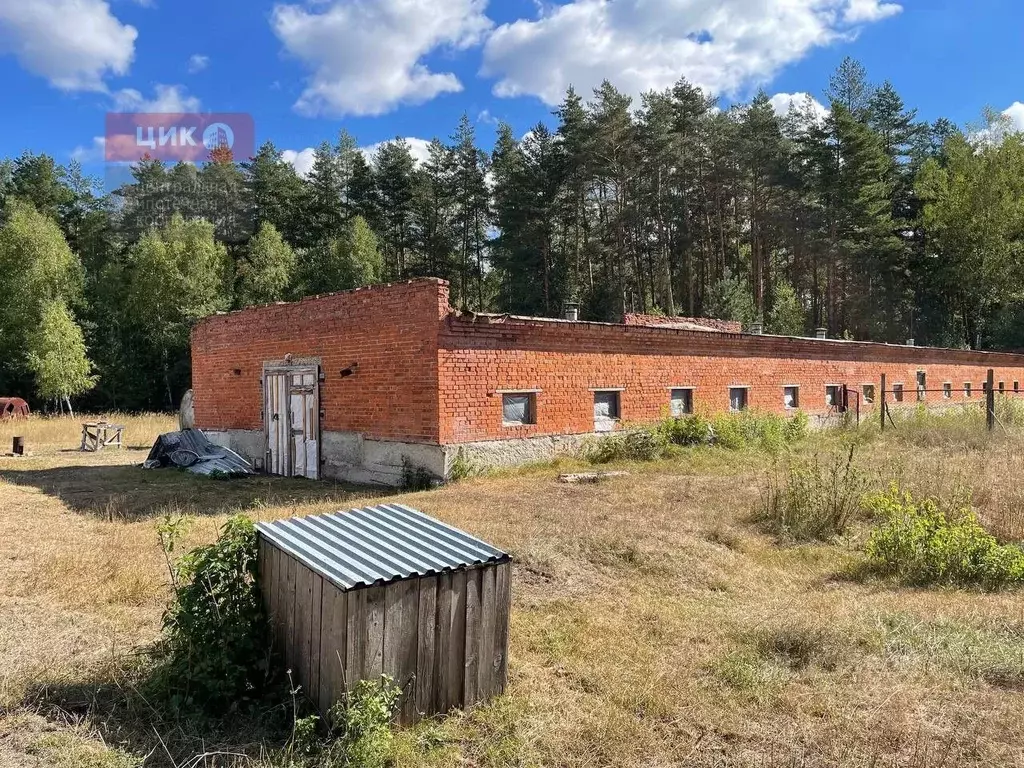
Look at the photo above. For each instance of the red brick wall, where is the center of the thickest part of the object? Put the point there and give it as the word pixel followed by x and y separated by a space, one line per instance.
pixel 390 331
pixel 566 361
pixel 726 326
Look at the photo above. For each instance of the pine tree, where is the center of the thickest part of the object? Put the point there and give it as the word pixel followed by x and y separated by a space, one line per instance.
pixel 276 192
pixel 395 184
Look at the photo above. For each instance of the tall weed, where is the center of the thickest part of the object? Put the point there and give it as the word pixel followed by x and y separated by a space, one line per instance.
pixel 814 499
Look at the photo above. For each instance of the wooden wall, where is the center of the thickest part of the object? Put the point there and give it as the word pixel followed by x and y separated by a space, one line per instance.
pixel 444 638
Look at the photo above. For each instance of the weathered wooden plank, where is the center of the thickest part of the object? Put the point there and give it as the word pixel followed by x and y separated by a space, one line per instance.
pixel 313 689
pixel 288 599
pixel 333 641
pixel 303 608
pixel 373 658
pixel 401 624
pixel 281 602
pixel 503 599
pixel 426 634
pixel 471 667
pixel 263 572
pixel 355 651
pixel 485 654
pixel 443 643
pixel 454 671
pixel 267 577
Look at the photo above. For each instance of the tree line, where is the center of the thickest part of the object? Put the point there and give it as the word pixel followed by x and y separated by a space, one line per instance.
pixel 860 218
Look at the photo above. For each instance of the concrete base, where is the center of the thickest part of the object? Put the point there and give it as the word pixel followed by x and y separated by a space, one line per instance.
pixel 493 454
pixel 348 456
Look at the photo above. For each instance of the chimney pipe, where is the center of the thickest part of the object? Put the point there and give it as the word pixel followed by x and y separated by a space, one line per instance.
pixel 572 311
pixel 910 342
pixel 821 333
pixel 757 328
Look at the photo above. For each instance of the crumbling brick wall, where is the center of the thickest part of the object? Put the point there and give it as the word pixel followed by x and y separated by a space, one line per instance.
pixel 389 332
pixel 690 323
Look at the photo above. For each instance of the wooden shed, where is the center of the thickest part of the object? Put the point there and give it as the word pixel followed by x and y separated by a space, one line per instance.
pixel 387 590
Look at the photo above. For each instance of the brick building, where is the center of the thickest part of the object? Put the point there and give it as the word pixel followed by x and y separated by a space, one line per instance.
pixel 363 384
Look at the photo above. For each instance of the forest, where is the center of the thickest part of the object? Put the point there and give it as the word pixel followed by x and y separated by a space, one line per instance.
pixel 859 218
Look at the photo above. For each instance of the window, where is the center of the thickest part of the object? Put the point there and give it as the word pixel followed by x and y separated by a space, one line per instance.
pixel 834 396
pixel 606 410
pixel 897 392
pixel 1016 387
pixel 737 399
pixel 791 397
pixel 681 402
pixel 869 393
pixel 967 389
pixel 518 408
pixel 1002 386
pixel 947 390
pixel 984 386
pixel 922 385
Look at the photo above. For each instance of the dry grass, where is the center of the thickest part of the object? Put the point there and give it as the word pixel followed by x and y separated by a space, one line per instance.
pixel 653 623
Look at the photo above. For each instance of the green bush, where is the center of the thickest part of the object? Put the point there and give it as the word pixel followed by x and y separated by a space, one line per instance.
pixel 215 652
pixel 687 430
pixel 643 445
pixel 920 544
pixel 637 444
pixel 361 725
pixel 815 499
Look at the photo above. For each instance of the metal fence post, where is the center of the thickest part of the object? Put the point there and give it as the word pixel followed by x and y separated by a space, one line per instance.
pixel 990 400
pixel 881 408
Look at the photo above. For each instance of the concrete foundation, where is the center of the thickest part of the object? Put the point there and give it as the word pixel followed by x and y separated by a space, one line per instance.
pixel 493 454
pixel 347 456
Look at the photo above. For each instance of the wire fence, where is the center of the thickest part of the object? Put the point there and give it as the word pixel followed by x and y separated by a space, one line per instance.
pixel 994 401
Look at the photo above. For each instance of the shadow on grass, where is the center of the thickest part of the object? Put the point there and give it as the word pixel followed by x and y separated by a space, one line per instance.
pixel 113 705
pixel 131 493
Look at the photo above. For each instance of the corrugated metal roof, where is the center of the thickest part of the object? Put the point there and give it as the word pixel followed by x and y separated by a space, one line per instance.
pixel 377 544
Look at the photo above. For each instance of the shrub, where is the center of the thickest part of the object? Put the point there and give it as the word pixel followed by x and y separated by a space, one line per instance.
pixel 815 499
pixel 215 651
pixel 643 445
pixel 638 444
pixel 920 544
pixel 362 725
pixel 687 430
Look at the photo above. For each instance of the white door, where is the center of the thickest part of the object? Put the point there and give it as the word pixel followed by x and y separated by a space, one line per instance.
pixel 292 421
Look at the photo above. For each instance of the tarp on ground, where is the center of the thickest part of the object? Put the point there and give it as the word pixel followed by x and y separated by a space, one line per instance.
pixel 192 450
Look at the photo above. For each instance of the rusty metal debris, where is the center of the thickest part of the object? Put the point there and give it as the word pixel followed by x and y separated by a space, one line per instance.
pixel 13 408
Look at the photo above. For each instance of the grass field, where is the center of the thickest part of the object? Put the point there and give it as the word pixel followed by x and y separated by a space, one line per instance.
pixel 654 623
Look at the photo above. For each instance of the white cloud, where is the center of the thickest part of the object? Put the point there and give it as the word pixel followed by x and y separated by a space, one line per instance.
pixel 782 103
pixel 171 99
pixel 861 11
pixel 1015 113
pixel 418 148
pixel 197 62
pixel 301 160
pixel 367 55
pixel 91 154
pixel 648 44
pixel 75 44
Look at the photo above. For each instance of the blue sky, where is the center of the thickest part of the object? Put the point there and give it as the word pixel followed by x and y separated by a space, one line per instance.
pixel 381 68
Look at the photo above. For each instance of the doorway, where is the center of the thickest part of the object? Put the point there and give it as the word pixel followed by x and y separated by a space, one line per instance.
pixel 291 418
